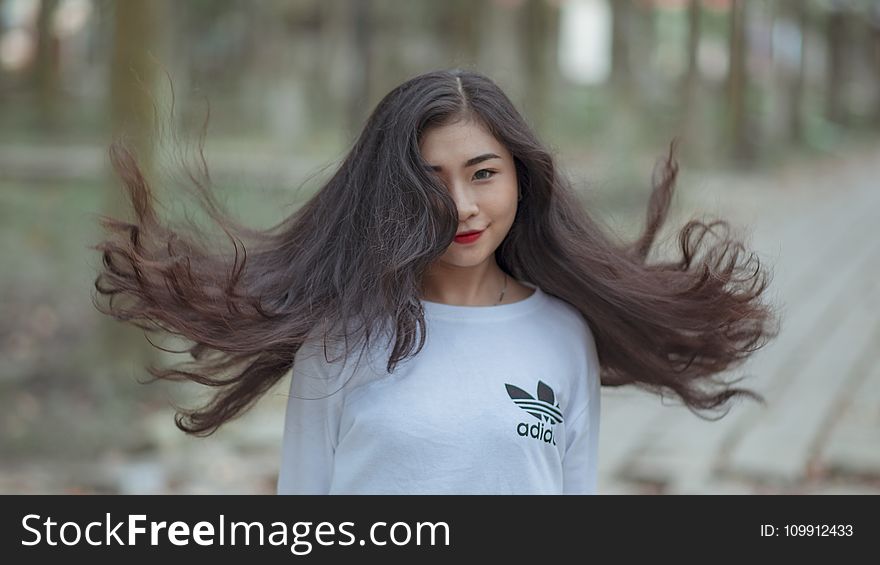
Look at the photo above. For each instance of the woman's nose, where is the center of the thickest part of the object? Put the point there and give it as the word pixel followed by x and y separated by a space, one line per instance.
pixel 466 208
pixel 465 201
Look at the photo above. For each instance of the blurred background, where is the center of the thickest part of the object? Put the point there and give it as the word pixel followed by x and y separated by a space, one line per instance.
pixel 776 104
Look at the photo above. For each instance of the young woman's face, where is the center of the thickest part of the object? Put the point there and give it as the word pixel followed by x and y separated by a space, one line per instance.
pixel 481 177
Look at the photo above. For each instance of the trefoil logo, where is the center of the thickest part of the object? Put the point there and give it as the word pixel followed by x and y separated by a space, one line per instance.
pixel 544 408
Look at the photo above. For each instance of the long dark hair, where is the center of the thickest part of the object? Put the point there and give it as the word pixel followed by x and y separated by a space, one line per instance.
pixel 350 261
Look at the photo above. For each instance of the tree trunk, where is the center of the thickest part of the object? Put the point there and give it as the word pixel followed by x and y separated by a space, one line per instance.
pixel 540 31
pixel 875 58
pixel 460 30
pixel 737 84
pixel 133 82
pixel 836 65
pixel 330 71
pixel 621 28
pixel 694 147
pixel 362 32
pixel 797 12
pixel 133 75
pixel 46 72
pixel 692 73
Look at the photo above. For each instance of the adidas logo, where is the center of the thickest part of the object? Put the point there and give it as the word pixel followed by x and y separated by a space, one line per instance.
pixel 544 408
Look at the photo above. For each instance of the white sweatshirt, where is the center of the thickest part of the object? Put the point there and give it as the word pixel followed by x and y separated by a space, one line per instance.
pixel 501 400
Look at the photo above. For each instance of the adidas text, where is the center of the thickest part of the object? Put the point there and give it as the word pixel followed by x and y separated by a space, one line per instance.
pixel 536 431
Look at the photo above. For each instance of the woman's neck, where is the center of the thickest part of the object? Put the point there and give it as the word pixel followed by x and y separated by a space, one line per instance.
pixel 481 285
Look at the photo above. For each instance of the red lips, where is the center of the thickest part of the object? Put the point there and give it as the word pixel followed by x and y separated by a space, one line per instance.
pixel 468 237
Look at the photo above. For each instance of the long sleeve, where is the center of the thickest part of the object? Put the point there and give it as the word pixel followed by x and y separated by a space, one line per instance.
pixel 580 463
pixel 311 425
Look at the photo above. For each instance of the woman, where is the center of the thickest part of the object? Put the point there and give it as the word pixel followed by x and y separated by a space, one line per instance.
pixel 447 307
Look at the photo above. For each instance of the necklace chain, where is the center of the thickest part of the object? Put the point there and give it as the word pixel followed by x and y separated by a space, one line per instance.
pixel 503 289
pixel 500 298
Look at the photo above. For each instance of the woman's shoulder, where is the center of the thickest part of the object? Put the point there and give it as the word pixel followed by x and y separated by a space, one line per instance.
pixel 567 317
pixel 329 360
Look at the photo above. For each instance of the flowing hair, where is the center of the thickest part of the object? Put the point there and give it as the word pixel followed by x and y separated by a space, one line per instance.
pixel 353 256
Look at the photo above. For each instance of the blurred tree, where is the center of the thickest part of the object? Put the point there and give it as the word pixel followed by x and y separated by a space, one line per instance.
pixel 643 45
pixel 342 70
pixel 45 70
pixel 836 24
pixel 626 124
pixel 459 24
pixel 403 41
pixel 134 74
pixel 737 85
pixel 540 39
pixel 4 75
pixel 133 79
pixel 361 25
pixel 501 35
pixel 692 124
pixel 874 22
pixel 796 12
pixel 692 72
pixel 326 76
pixel 209 47
pixel 621 39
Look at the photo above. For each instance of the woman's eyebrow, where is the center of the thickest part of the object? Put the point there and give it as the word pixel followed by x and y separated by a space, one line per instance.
pixel 470 162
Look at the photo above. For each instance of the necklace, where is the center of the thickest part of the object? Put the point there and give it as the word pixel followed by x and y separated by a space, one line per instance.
pixel 503 289
pixel 500 298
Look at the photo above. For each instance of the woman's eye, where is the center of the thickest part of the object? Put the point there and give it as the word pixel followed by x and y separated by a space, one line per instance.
pixel 488 176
